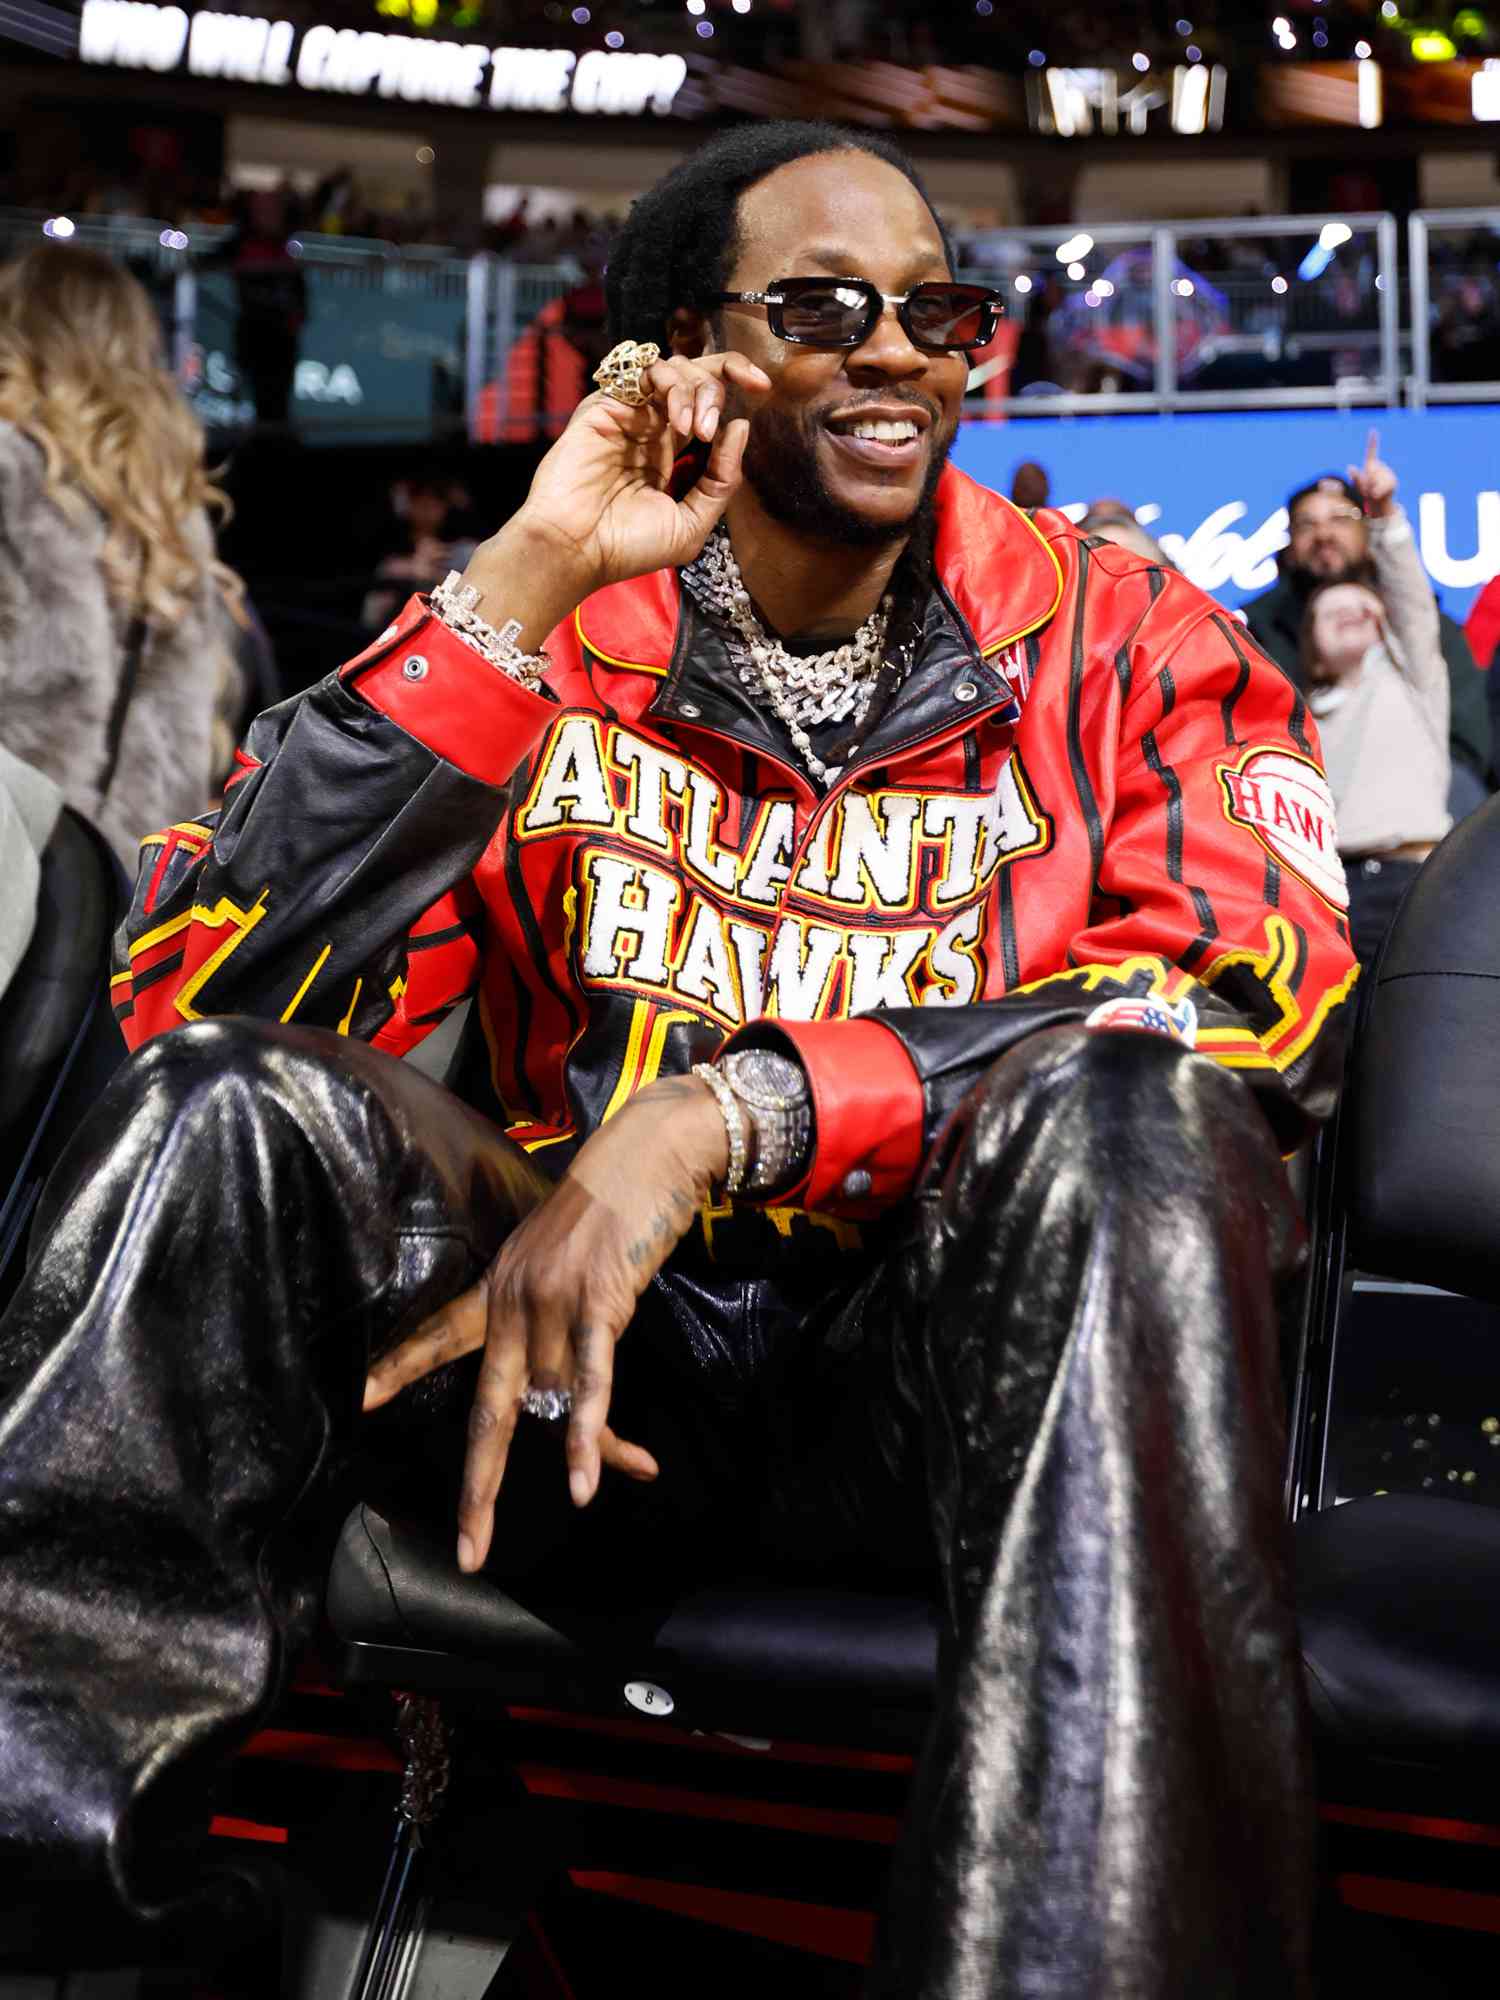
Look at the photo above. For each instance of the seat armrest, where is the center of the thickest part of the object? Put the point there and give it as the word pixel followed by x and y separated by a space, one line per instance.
pixel 389 1587
pixel 1422 1118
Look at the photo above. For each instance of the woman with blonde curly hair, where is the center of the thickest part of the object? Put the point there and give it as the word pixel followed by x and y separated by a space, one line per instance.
pixel 118 623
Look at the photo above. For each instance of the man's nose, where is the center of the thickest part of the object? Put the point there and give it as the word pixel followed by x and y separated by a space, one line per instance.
pixel 889 350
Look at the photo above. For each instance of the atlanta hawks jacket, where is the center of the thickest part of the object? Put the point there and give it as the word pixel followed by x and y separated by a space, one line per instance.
pixel 1090 786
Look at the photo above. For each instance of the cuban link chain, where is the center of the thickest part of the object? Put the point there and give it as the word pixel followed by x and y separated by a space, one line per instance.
pixel 824 687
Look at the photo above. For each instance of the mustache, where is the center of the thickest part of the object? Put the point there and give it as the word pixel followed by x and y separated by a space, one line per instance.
pixel 873 398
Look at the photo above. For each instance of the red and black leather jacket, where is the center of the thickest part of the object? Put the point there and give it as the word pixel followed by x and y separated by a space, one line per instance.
pixel 1090 785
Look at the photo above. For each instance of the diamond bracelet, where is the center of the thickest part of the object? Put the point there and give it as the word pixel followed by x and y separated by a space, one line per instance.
pixel 734 1124
pixel 456 604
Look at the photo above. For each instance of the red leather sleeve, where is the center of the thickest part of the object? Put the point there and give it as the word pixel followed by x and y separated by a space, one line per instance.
pixel 439 690
pixel 867 1112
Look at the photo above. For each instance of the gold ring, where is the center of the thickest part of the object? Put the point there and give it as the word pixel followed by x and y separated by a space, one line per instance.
pixel 622 371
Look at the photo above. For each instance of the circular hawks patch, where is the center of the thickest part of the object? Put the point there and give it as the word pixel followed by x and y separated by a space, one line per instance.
pixel 1285 802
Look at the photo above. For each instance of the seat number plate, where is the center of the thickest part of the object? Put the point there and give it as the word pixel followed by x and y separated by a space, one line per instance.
pixel 649 1698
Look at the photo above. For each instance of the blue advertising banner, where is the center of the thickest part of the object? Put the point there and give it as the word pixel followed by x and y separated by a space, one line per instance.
pixel 1212 487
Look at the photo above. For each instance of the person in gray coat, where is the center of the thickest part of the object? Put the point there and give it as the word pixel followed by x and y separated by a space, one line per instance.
pixel 29 805
pixel 118 624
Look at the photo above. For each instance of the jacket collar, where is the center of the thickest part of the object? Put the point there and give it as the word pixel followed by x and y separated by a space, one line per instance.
pixel 997 580
pixel 1003 579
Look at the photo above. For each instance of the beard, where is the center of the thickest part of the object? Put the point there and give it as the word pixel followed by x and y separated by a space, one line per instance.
pixel 781 466
pixel 1350 569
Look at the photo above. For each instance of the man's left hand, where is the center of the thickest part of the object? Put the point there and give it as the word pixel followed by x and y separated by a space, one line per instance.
pixel 1374 481
pixel 563 1289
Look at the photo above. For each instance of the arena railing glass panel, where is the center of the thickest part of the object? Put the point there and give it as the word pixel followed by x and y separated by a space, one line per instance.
pixel 398 343
pixel 1454 260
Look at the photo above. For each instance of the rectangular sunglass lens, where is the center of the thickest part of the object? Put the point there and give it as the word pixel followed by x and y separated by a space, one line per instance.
pixel 818 313
pixel 951 316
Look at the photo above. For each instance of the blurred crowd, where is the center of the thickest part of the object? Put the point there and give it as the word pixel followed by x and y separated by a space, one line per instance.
pixel 1465 298
pixel 171 192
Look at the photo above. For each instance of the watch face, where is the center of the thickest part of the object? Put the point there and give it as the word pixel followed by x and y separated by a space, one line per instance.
pixel 765 1080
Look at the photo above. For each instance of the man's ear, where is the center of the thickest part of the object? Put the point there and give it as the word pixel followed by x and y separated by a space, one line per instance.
pixel 690 333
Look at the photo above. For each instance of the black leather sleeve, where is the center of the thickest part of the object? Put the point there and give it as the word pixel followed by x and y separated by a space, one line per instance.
pixel 297 899
pixel 951 1048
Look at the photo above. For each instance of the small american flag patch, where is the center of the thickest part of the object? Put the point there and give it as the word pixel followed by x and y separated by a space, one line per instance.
pixel 1179 1019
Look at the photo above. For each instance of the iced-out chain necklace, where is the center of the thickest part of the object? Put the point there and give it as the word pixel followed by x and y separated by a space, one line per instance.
pixel 824 687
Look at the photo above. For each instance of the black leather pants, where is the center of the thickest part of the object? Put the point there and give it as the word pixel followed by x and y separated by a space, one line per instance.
pixel 1056 1396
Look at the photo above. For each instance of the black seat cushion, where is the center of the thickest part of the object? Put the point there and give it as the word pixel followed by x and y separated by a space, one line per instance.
pixel 1399 1600
pixel 739 1655
pixel 1423 1118
pixel 62 977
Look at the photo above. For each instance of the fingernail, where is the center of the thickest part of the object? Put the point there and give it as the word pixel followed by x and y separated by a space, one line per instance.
pixel 578 1486
pixel 710 424
pixel 465 1552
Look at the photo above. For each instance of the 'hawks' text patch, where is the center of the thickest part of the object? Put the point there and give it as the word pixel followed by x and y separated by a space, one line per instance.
pixel 1285 802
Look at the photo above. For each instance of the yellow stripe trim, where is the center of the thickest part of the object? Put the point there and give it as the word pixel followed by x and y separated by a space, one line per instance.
pixel 1277 1047
pixel 223 912
pixel 630 666
pixel 640 1019
pixel 656 1047
pixel 301 993
pixel 344 1024
pixel 1094 975
pixel 536 1145
pixel 1057 572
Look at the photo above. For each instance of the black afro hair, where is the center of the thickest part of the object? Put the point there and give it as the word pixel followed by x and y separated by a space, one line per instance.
pixel 682 238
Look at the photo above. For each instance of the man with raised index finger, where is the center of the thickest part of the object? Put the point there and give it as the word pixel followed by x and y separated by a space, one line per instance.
pixel 904 936
pixel 1346 530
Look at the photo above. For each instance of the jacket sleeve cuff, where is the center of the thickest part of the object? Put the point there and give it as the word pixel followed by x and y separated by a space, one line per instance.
pixel 439 690
pixel 867 1112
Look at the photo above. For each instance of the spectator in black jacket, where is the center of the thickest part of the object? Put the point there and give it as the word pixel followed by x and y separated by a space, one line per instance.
pixel 1329 543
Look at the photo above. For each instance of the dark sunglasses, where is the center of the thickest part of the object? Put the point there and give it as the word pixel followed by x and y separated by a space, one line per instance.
pixel 940 317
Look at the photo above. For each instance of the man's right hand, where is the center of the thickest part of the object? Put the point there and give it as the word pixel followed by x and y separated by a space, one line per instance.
pixel 599 510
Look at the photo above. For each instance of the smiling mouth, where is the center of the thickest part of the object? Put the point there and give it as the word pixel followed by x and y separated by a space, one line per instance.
pixel 890 442
pixel 880 430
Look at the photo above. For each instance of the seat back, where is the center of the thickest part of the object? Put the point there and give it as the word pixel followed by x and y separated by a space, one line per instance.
pixel 1421 1154
pixel 58 1039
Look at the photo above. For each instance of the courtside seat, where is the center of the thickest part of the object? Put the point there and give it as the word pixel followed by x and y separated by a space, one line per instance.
pixel 815 1665
pixel 1400 1593
pixel 1400 1606
pixel 58 1038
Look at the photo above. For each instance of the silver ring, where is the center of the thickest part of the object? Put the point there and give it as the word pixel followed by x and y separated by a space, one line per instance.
pixel 551 1405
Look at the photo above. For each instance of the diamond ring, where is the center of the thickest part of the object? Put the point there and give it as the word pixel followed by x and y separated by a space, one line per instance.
pixel 621 373
pixel 551 1405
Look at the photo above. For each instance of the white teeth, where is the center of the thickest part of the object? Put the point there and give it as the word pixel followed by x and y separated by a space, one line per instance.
pixel 886 433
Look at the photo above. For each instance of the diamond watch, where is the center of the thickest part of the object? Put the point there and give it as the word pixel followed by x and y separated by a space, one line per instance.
pixel 778 1111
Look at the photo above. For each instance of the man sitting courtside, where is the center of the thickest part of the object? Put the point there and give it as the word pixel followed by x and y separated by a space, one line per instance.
pixel 904 936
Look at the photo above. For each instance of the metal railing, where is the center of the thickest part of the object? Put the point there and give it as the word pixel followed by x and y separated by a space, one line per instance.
pixel 1250 313
pixel 1455 306
pixel 1269 311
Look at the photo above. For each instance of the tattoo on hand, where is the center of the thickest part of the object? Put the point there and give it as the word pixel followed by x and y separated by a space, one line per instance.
pixel 664 1228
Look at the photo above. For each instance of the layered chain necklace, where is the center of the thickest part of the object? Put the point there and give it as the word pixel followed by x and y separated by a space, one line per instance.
pixel 824 687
